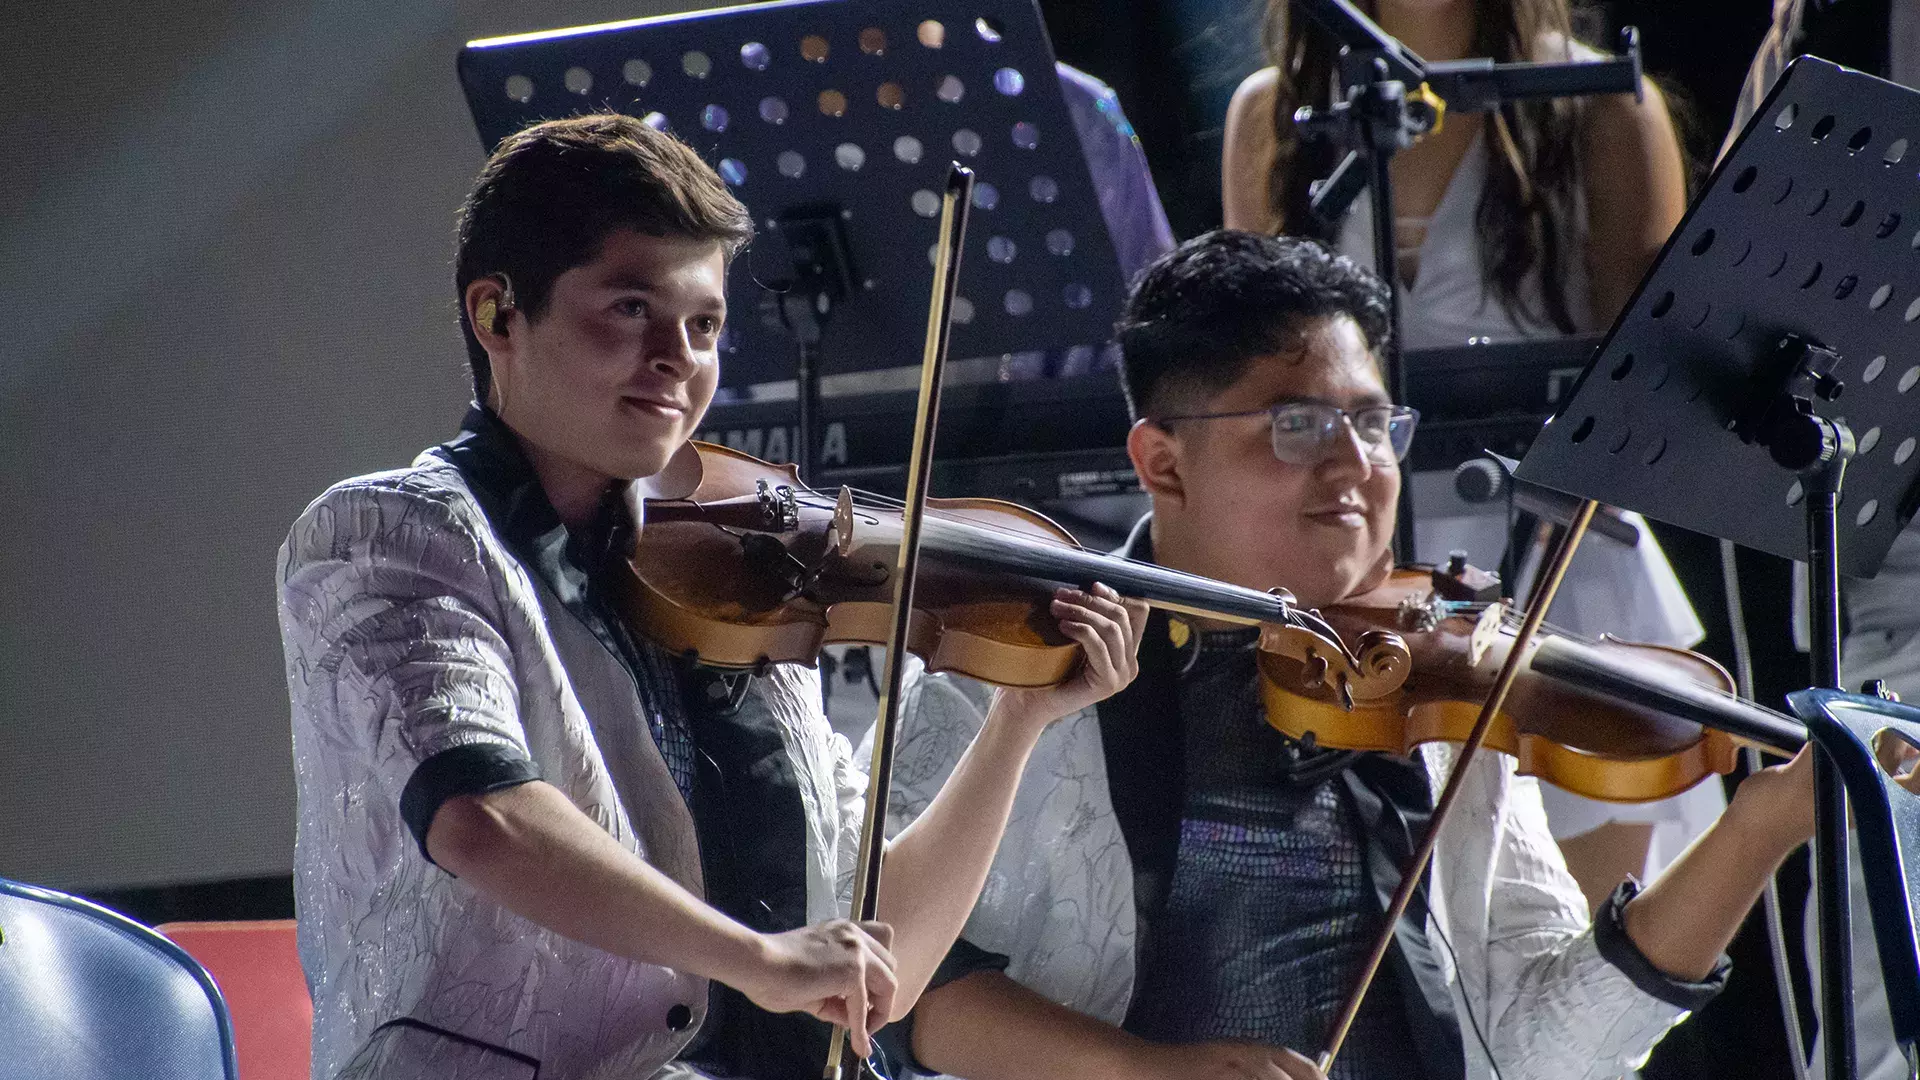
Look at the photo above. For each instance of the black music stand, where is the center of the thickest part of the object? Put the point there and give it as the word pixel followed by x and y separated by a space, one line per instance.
pixel 1387 102
pixel 1780 319
pixel 834 122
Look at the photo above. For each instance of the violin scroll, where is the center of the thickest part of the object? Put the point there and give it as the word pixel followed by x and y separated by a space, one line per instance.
pixel 1374 669
pixel 1623 745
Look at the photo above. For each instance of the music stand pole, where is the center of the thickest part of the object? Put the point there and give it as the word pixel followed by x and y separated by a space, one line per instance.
pixel 806 420
pixel 1822 479
pixel 1386 260
pixel 798 310
pixel 1779 415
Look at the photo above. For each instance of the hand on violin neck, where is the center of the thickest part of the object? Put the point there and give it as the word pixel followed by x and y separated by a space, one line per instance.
pixel 1773 808
pixel 1108 631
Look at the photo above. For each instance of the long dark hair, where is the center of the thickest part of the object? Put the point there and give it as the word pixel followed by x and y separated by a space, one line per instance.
pixel 1532 149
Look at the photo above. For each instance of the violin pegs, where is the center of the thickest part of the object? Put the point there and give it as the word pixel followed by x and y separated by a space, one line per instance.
pixel 1345 691
pixel 1315 671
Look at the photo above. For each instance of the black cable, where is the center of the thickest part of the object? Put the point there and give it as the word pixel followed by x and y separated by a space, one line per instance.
pixel 1471 1019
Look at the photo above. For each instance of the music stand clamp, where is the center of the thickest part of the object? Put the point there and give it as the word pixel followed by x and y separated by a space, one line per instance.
pixel 1726 371
pixel 834 122
pixel 1390 98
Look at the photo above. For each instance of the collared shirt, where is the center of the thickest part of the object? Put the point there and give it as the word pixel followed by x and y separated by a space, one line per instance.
pixel 574 564
pixel 415 629
pixel 1498 941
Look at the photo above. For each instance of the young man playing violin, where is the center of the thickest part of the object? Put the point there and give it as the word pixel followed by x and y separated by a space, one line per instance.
pixel 1186 894
pixel 527 837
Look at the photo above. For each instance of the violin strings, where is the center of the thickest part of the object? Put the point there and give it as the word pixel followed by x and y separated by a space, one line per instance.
pixel 1293 615
pixel 868 499
pixel 875 500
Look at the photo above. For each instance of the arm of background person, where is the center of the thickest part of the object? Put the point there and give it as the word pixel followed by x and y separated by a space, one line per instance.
pixel 1246 155
pixel 1636 190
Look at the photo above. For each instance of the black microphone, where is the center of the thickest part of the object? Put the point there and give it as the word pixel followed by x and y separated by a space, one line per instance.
pixel 1489 477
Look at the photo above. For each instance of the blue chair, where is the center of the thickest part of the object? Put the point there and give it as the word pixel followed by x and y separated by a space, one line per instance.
pixel 86 994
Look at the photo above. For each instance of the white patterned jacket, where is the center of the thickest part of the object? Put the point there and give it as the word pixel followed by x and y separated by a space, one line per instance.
pixel 409 629
pixel 1059 900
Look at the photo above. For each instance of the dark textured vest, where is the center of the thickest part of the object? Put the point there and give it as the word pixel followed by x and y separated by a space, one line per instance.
pixel 1145 747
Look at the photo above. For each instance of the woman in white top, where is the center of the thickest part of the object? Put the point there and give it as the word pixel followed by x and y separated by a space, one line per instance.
pixel 1533 222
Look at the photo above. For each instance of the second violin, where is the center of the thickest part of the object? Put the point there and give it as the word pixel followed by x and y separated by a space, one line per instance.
pixel 1669 720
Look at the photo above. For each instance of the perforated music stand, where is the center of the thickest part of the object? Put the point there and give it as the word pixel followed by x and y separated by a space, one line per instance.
pixel 834 122
pixel 1810 229
pixel 1785 307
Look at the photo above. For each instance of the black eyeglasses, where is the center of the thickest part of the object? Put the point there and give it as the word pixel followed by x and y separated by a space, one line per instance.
pixel 1304 431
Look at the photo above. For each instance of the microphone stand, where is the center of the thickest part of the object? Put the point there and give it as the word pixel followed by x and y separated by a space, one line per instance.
pixel 1390 98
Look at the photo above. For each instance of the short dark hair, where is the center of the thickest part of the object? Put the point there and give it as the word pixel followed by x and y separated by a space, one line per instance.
pixel 1198 315
pixel 551 193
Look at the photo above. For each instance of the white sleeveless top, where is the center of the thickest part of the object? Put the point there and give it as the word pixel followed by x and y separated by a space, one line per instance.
pixel 1450 301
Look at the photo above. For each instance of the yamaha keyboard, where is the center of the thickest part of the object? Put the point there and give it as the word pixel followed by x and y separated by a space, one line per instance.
pixel 1044 439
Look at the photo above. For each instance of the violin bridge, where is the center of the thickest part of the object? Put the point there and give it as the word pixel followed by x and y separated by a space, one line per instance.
pixel 843 522
pixel 1485 632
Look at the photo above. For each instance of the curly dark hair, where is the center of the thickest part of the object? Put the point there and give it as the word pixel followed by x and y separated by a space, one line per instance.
pixel 1198 315
pixel 551 193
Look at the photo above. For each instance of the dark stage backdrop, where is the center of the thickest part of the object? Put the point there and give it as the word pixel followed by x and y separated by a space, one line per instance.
pixel 225 240
pixel 225 232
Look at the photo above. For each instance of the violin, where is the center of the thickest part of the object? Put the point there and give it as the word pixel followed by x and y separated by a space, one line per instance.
pixel 1608 719
pixel 756 568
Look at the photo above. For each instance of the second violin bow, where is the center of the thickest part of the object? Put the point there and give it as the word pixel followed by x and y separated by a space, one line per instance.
pixel 1422 855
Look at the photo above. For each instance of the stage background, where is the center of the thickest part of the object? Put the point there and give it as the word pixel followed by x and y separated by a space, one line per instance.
pixel 225 238
pixel 225 252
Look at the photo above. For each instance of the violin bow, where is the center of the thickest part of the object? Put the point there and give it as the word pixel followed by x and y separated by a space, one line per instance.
pixel 954 206
pixel 1422 855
